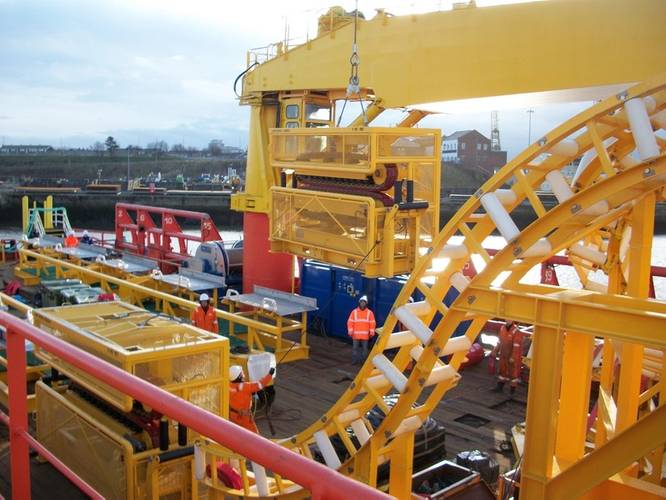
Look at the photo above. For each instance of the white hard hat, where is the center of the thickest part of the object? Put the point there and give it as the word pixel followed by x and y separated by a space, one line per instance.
pixel 235 371
pixel 364 298
pixel 85 232
pixel 203 297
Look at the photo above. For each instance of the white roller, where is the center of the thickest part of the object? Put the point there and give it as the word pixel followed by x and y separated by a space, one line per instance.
pixel 451 251
pixel 348 416
pixel 395 376
pixel 595 286
pixel 326 447
pixel 500 216
pixel 419 308
pixel 361 431
pixel 641 129
pixel 566 147
pixel 459 281
pixel 415 352
pixel 660 119
pixel 260 479
pixel 506 196
pixel 599 208
pixel 655 353
pixel 559 185
pixel 377 382
pixel 456 344
pixel 587 158
pixel 587 253
pixel 540 248
pixel 199 463
pixel 399 339
pixel 409 424
pixel 628 161
pixel 440 374
pixel 414 324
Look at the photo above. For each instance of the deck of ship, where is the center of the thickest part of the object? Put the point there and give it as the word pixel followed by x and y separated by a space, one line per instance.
pixel 474 417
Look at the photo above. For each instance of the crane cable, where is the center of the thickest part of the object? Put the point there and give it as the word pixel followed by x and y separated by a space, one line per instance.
pixel 354 86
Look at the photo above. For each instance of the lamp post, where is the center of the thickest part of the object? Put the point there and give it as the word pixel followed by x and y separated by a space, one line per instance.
pixel 129 148
pixel 530 112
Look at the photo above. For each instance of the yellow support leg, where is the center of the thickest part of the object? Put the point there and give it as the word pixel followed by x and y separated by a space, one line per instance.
pixel 402 460
pixel 542 402
pixel 631 357
pixel 574 397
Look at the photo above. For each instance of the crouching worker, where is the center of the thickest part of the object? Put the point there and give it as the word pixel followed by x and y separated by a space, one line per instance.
pixel 240 397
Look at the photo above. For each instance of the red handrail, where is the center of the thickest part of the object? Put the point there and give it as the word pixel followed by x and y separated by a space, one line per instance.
pixel 321 481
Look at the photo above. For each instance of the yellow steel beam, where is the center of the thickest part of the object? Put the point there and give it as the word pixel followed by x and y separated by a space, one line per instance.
pixel 440 56
pixel 574 397
pixel 541 420
pixel 623 318
pixel 633 443
pixel 638 285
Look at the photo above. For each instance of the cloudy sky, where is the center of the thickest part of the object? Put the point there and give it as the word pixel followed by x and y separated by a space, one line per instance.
pixel 74 71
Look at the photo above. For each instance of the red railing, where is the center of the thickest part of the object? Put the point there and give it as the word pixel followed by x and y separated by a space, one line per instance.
pixel 154 238
pixel 321 481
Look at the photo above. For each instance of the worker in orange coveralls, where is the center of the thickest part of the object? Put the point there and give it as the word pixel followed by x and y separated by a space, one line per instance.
pixel 361 328
pixel 510 352
pixel 71 241
pixel 204 316
pixel 240 397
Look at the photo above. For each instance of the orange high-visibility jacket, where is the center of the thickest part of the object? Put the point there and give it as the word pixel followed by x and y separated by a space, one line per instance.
pixel 71 241
pixel 240 402
pixel 361 324
pixel 205 320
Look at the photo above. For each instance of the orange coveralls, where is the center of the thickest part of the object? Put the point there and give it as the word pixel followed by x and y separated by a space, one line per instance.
pixel 206 320
pixel 510 348
pixel 240 402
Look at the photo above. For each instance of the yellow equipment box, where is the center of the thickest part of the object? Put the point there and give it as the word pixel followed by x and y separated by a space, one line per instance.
pixel 107 454
pixel 181 359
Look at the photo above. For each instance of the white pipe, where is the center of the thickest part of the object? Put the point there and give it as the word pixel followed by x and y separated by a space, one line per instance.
pixel 459 281
pixel 260 479
pixel 420 308
pixel 587 253
pixel 440 374
pixel 641 129
pixel 506 196
pixel 361 431
pixel 628 161
pixel 377 382
pixel 453 252
pixel 595 286
pixel 540 248
pixel 415 352
pixel 399 339
pixel 199 463
pixel 413 323
pixel 566 147
pixel 328 452
pixel 559 185
pixel 348 416
pixel 599 208
pixel 409 424
pixel 500 216
pixel 456 344
pixel 395 376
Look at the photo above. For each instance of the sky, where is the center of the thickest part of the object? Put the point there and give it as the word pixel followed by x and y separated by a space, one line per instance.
pixel 73 72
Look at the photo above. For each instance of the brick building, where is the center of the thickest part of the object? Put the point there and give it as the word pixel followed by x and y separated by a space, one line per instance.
pixel 471 150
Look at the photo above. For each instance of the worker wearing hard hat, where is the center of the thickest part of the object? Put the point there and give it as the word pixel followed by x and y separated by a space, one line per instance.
pixel 509 349
pixel 71 241
pixel 86 238
pixel 240 397
pixel 361 328
pixel 204 316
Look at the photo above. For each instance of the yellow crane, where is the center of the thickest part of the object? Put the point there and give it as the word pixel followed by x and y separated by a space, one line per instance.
pixel 312 190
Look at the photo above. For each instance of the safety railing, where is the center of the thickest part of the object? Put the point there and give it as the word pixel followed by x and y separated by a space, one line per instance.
pixel 321 481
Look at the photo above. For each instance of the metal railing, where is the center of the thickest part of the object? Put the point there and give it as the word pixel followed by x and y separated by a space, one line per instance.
pixel 321 481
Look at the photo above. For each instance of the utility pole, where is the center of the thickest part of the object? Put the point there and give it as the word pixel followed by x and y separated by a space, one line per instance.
pixel 530 112
pixel 128 168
